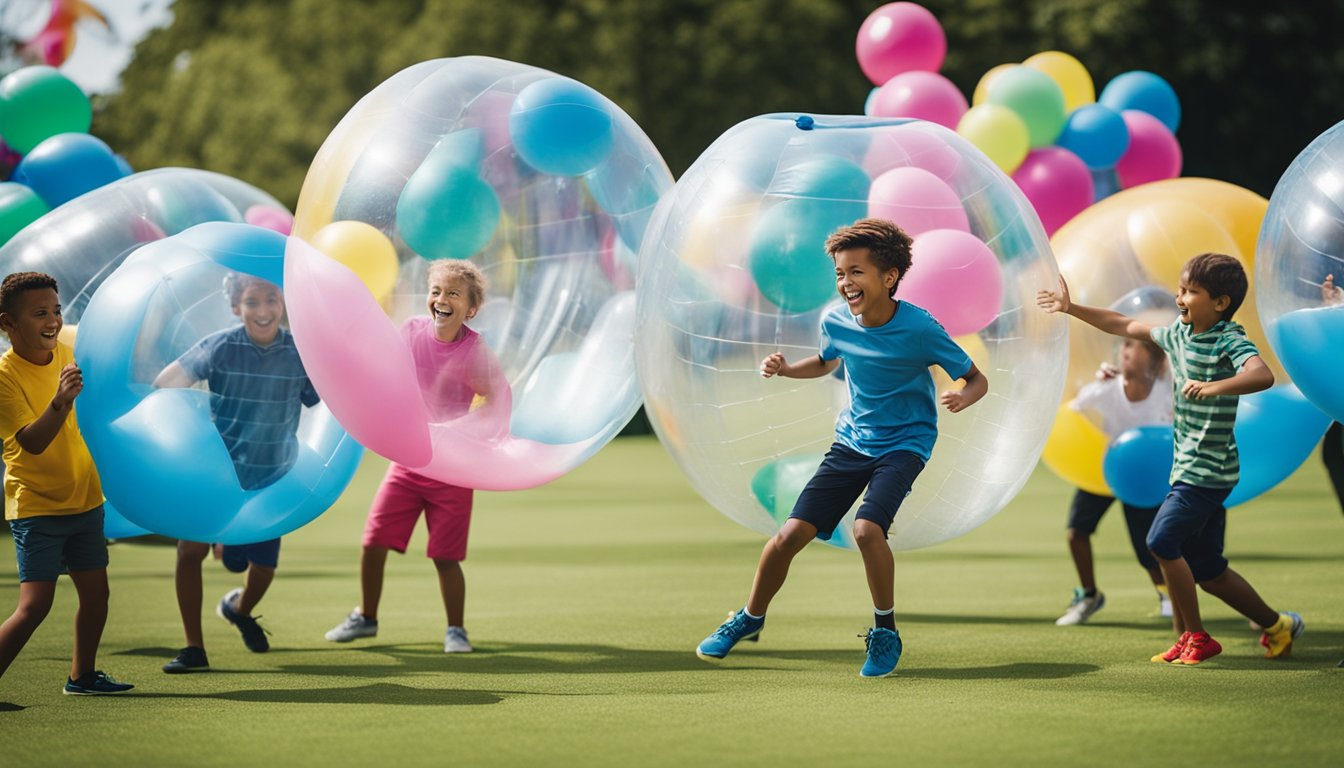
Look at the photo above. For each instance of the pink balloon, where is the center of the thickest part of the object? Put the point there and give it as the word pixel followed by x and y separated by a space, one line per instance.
pixel 917 201
pixel 922 95
pixel 1153 154
pixel 899 37
pixel 901 145
pixel 276 219
pixel 1057 183
pixel 956 278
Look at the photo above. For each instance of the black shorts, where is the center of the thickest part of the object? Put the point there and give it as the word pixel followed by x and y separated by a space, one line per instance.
pixel 1191 523
pixel 1088 508
pixel 843 475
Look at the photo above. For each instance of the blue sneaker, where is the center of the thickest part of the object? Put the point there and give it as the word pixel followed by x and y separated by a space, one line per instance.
pixel 254 635
pixel 739 626
pixel 96 683
pixel 884 651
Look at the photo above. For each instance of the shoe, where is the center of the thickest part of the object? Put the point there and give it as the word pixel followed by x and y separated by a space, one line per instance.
pixel 189 659
pixel 1082 608
pixel 739 626
pixel 96 683
pixel 1174 652
pixel 884 651
pixel 1163 605
pixel 356 625
pixel 455 641
pixel 1200 647
pixel 1279 644
pixel 254 636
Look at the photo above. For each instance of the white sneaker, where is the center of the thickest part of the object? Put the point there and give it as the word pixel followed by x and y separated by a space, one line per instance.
pixel 356 625
pixel 1163 605
pixel 1082 608
pixel 455 641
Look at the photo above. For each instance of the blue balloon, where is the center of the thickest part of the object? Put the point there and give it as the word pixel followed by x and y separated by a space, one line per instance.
pixel 870 102
pixel 162 462
pixel 1145 92
pixel 1137 465
pixel 1276 431
pixel 1301 338
pixel 561 126
pixel 66 166
pixel 1096 134
pixel 116 526
pixel 628 187
pixel 446 210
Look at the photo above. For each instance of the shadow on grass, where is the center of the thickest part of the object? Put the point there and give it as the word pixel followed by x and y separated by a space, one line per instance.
pixel 5 706
pixel 509 659
pixel 377 693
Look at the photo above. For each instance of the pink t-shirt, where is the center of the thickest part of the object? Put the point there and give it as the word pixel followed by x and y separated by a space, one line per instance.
pixel 452 373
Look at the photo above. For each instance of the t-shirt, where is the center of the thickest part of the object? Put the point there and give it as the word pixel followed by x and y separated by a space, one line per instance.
pixel 451 373
pixel 62 479
pixel 1205 451
pixel 257 396
pixel 1118 413
pixel 892 405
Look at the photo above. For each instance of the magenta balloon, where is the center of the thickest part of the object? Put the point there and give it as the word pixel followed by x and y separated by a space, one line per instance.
pixel 1153 154
pixel 900 37
pixel 275 219
pixel 957 278
pixel 921 95
pixel 917 201
pixel 1057 183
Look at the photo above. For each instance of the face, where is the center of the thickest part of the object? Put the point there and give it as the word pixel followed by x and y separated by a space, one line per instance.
pixel 1136 360
pixel 34 324
pixel 449 303
pixel 1197 307
pixel 862 284
pixel 261 308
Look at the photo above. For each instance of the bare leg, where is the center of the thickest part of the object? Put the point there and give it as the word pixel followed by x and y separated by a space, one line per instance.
pixel 453 586
pixel 1156 575
pixel 35 599
pixel 878 564
pixel 1080 546
pixel 190 555
pixel 255 584
pixel 90 618
pixel 1184 600
pixel 1234 590
pixel 776 557
pixel 371 565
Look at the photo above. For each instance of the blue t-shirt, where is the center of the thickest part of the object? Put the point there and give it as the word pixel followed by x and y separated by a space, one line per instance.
pixel 892 403
pixel 256 397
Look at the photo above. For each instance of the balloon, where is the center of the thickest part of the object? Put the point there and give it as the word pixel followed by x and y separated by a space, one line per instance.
pixel 116 526
pixel 1069 74
pixel 1137 466
pixel 998 132
pixel 276 219
pixel 1075 450
pixel 561 126
pixel 363 250
pixel 1057 183
pixel 870 102
pixel 700 341
pixel 1153 153
pixel 66 166
pixel 917 201
pixel 1036 98
pixel 1276 431
pixel 981 94
pixel 1164 235
pixel 899 37
pixel 19 207
pixel 1097 135
pixel 957 278
pixel 37 103
pixel 923 96
pixel 778 485
pixel 1145 92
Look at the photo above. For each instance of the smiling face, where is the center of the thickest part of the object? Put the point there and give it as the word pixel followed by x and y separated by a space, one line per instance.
pixel 261 309
pixel 450 305
pixel 33 323
pixel 1198 309
pixel 865 287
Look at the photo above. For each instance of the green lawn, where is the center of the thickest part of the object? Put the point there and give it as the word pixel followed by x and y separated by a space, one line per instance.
pixel 587 597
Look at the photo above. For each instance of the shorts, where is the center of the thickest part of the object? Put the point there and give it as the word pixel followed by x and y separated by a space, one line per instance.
pixel 1088 508
pixel 48 545
pixel 840 479
pixel 396 507
pixel 237 557
pixel 1191 523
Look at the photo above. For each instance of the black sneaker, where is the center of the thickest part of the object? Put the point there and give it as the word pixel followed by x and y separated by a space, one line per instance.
pixel 95 683
pixel 254 636
pixel 189 659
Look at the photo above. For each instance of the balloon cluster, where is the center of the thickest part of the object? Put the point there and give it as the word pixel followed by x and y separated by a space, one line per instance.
pixel 1039 121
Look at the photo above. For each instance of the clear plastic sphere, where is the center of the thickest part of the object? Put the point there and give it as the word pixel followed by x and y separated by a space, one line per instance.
pixel 733 268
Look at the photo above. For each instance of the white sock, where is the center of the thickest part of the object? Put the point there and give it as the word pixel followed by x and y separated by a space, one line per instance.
pixel 749 616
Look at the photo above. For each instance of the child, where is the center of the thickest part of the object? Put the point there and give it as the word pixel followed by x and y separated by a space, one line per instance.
pixel 257 385
pixel 455 368
pixel 1332 446
pixel 883 438
pixel 1212 363
pixel 1134 395
pixel 53 498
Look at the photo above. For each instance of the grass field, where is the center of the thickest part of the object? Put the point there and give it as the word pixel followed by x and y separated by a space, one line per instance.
pixel 587 597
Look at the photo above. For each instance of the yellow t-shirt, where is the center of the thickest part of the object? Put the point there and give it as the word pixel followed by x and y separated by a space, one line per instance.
pixel 62 479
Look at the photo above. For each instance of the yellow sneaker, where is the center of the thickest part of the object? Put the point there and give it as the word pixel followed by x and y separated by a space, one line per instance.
pixel 1174 652
pixel 1278 639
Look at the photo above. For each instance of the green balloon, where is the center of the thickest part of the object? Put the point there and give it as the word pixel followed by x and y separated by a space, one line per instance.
pixel 1036 98
pixel 37 103
pixel 19 207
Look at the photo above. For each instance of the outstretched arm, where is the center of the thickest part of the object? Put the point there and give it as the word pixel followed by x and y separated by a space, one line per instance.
pixel 811 368
pixel 1108 320
pixel 977 384
pixel 1254 376
pixel 173 376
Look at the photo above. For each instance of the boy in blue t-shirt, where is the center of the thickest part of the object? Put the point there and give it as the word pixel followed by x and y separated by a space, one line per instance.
pixel 883 438
pixel 258 388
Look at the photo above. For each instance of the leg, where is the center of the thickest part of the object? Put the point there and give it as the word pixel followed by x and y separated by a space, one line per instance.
pixel 776 558
pixel 1080 547
pixel 878 564
pixel 1139 520
pixel 1184 601
pixel 90 619
pixel 1231 588
pixel 255 584
pixel 453 587
pixel 187 575
pixel 1085 513
pixel 371 565
pixel 35 599
pixel 1332 454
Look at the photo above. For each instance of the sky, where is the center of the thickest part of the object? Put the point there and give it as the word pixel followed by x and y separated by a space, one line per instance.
pixel 99 57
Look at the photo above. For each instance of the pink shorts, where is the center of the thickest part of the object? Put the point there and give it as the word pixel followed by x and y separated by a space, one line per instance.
pixel 398 504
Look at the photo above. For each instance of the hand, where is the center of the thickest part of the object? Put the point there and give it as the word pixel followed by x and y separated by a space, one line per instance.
pixel 953 401
pixel 1331 294
pixel 773 364
pixel 70 385
pixel 1052 301
pixel 1107 371
pixel 1197 390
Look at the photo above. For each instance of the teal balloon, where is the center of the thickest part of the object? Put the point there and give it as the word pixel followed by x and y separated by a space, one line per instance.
pixel 446 210
pixel 37 103
pixel 561 126
pixel 777 486
pixel 1036 98
pixel 19 207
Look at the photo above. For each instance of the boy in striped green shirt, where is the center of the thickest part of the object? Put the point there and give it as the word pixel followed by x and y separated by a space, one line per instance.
pixel 1212 363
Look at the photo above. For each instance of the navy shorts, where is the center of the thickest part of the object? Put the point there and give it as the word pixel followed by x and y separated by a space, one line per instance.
pixel 48 545
pixel 1191 523
pixel 1088 509
pixel 236 557
pixel 840 479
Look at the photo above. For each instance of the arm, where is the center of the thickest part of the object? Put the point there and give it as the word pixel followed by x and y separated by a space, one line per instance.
pixel 811 368
pixel 173 376
pixel 977 384
pixel 1254 376
pixel 1108 320
pixel 35 437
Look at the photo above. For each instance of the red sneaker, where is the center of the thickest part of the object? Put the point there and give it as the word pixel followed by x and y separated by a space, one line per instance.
pixel 1200 647
pixel 1174 652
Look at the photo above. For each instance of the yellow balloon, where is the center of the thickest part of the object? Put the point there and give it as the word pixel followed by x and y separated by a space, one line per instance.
pixel 1165 235
pixel 1072 77
pixel 981 94
pixel 365 251
pixel 998 132
pixel 1075 450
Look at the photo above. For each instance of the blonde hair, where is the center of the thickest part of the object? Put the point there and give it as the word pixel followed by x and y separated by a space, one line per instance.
pixel 461 269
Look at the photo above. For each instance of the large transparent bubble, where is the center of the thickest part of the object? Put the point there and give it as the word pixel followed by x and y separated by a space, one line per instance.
pixel 1301 244
pixel 733 268
pixel 539 180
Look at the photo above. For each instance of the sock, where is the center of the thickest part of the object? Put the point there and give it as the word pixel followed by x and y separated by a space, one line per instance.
pixel 747 613
pixel 1162 590
pixel 1090 592
pixel 885 619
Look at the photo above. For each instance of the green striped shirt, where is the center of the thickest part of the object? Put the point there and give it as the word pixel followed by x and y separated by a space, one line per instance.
pixel 1205 451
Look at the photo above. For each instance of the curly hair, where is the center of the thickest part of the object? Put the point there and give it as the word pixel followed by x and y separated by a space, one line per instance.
pixel 887 244
pixel 19 282
pixel 1220 275
pixel 463 270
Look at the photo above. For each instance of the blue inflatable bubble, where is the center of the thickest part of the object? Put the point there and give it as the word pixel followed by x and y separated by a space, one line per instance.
pixel 561 126
pixel 66 166
pixel 1137 466
pixel 1276 431
pixel 116 526
pixel 1145 92
pixel 1097 135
